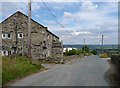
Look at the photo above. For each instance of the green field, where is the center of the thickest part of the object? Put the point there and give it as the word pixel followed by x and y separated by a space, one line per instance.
pixel 18 67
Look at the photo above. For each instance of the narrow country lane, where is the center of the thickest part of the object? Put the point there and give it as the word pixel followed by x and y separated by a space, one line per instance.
pixel 88 71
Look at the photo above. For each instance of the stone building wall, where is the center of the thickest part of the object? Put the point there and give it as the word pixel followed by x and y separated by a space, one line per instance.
pixel 57 51
pixel 41 38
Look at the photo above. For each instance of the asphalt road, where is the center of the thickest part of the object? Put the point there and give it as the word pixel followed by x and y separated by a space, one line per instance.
pixel 88 71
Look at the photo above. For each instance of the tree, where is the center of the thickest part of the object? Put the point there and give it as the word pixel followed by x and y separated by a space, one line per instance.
pixel 72 52
pixel 79 51
pixel 66 52
pixel 86 49
pixel 94 52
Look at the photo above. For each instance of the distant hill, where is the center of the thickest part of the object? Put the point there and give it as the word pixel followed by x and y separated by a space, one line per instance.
pixel 91 46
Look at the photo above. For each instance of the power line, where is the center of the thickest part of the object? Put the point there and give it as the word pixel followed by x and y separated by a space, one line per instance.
pixel 52 14
pixel 91 13
pixel 92 16
pixel 56 18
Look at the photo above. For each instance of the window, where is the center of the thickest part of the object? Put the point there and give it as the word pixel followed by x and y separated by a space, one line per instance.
pixel 9 36
pixel 20 35
pixel 44 47
pixel 9 52
pixel 5 53
pixel 4 36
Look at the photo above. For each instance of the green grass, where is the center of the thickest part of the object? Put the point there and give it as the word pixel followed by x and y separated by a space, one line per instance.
pixel 21 66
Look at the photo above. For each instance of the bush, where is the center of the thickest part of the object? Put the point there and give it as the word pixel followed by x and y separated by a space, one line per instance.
pixel 94 52
pixel 86 49
pixel 104 56
pixel 71 52
pixel 79 51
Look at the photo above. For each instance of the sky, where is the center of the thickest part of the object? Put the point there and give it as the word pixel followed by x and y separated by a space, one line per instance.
pixel 80 19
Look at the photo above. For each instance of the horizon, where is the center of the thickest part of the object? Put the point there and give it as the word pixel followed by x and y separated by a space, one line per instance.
pixel 89 44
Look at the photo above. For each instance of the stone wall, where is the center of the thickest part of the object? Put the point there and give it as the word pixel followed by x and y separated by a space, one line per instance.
pixel 18 24
pixel 57 51
pixel 41 38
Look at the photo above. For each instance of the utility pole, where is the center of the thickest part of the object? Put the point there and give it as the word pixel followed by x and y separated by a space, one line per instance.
pixel 29 28
pixel 102 43
pixel 84 42
pixel 84 46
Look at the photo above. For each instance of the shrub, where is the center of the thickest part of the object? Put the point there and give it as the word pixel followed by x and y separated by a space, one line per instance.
pixel 94 52
pixel 79 51
pixel 85 48
pixel 72 52
pixel 104 55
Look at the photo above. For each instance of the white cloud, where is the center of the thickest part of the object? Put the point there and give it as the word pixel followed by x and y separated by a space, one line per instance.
pixel 59 0
pixel 38 16
pixel 96 6
pixel 60 7
pixel 90 23
pixel 68 15
pixel 35 6
pixel 81 33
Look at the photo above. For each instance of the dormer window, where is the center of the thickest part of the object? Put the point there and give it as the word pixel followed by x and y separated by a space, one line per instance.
pixel 20 35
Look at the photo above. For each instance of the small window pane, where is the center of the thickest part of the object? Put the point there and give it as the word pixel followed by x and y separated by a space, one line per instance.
pixel 4 52
pixel 20 35
pixel 4 36
pixel 8 35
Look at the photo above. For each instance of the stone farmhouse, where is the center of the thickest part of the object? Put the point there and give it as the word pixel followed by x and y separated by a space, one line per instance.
pixel 14 35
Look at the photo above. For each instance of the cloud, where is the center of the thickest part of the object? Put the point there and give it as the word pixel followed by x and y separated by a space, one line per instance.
pixel 60 0
pixel 58 7
pixel 68 15
pixel 35 6
pixel 81 33
pixel 93 18
pixel 38 16
pixel 88 21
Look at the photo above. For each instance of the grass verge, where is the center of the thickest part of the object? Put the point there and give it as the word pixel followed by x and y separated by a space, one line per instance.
pixel 18 67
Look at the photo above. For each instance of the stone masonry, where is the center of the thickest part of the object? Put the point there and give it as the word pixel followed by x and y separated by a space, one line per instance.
pixel 15 35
